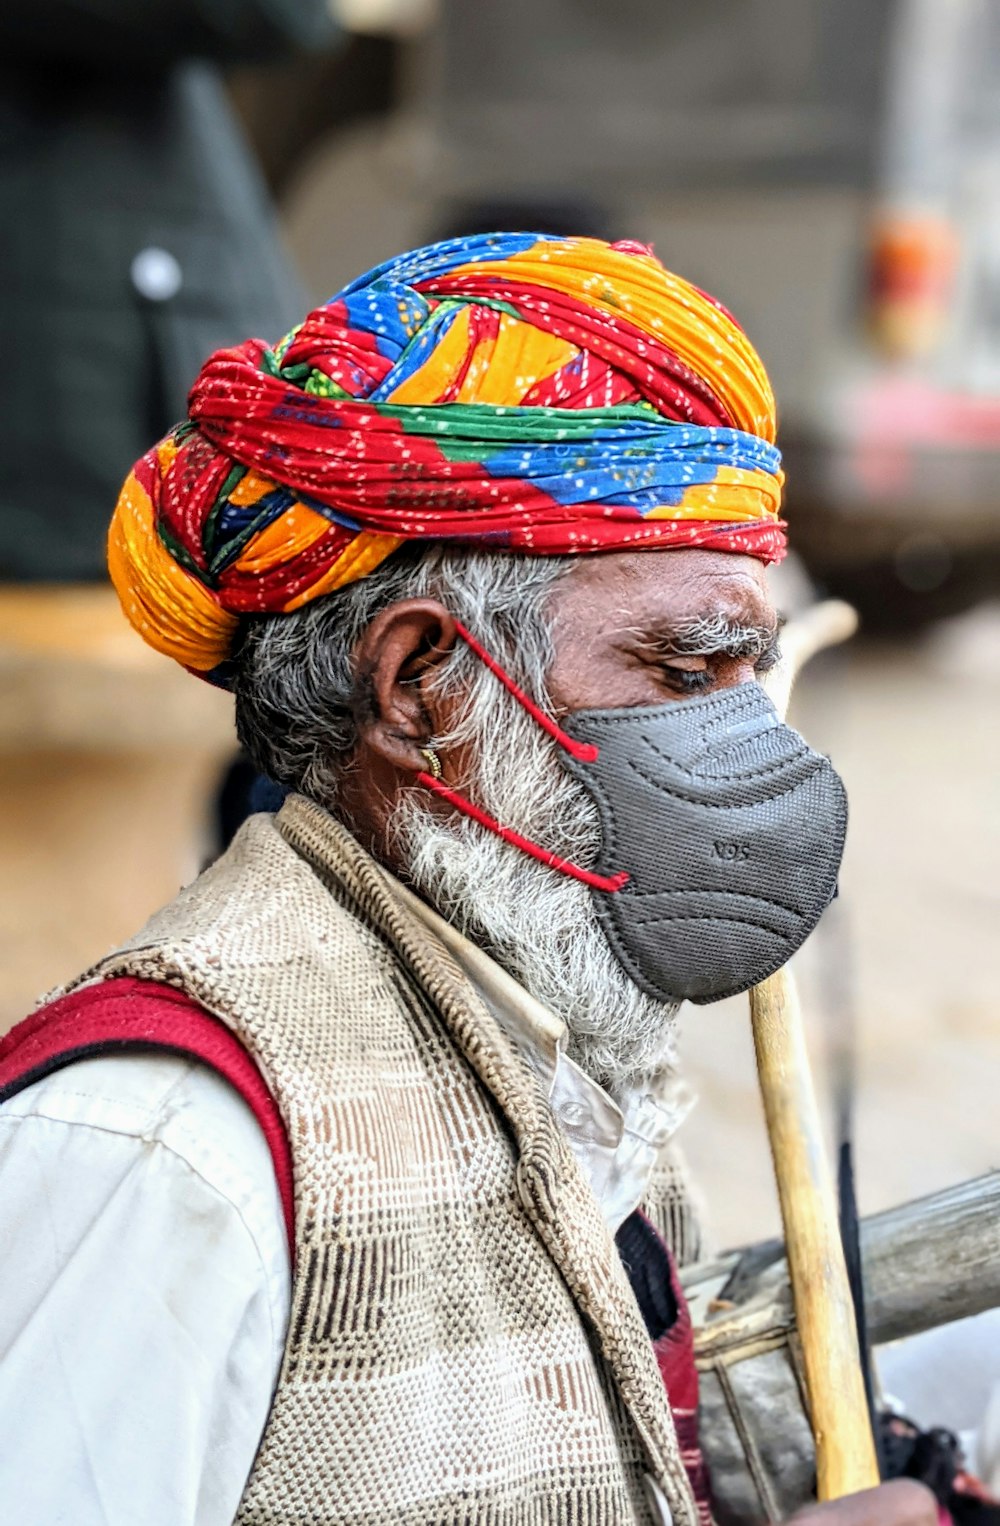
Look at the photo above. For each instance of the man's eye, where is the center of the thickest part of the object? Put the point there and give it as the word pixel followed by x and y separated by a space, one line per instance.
pixel 686 680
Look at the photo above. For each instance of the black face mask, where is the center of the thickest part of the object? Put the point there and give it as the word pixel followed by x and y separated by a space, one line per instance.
pixel 730 827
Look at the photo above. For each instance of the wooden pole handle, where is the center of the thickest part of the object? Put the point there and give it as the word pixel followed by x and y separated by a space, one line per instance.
pixel 822 625
pixel 824 1311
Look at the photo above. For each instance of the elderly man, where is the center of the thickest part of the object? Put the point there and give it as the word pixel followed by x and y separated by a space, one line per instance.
pixel 422 1019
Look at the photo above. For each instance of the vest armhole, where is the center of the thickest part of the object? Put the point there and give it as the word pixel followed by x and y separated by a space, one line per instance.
pixel 129 1016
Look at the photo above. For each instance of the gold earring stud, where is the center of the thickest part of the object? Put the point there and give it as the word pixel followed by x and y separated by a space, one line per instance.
pixel 433 761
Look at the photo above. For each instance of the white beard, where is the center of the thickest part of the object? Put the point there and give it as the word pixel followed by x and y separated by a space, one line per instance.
pixel 538 924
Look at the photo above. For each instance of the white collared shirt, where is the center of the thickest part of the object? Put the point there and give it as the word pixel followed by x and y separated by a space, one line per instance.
pixel 145 1277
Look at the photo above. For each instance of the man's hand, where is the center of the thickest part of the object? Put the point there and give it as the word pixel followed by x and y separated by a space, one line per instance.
pixel 902 1503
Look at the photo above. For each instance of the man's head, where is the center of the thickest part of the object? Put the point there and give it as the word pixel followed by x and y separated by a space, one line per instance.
pixel 454 438
pixel 342 700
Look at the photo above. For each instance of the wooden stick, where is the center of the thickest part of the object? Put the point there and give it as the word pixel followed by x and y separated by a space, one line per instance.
pixel 824 1313
pixel 845 1451
pixel 933 1261
pixel 822 625
pixel 928 1262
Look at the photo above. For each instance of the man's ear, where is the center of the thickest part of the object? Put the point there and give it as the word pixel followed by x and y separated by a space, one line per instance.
pixel 397 713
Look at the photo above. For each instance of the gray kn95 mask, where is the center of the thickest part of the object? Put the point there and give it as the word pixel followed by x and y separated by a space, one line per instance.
pixel 731 829
pixel 722 834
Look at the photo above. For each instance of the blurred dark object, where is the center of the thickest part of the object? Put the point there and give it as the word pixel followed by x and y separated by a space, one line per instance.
pixel 286 110
pixel 242 793
pixel 138 237
pixel 894 482
pixel 582 93
pixel 935 1458
pixel 556 214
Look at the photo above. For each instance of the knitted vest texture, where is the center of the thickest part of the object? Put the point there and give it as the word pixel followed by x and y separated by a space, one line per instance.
pixel 463 1343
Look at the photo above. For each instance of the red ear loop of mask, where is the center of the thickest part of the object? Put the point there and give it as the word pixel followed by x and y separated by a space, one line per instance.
pixel 585 752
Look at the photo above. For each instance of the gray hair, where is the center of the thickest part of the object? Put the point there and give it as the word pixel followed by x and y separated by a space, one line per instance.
pixel 298 694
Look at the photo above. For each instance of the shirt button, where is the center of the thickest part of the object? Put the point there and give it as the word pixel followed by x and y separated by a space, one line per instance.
pixel 156 274
pixel 572 1114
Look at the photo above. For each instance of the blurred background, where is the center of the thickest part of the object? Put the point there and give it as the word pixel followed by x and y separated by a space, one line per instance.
pixel 180 174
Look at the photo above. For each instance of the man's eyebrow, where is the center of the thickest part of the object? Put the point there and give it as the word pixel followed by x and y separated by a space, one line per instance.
pixel 714 635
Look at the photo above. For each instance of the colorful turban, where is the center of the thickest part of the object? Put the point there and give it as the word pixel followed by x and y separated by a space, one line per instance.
pixel 517 391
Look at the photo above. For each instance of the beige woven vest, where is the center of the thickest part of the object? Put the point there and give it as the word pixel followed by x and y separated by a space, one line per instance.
pixel 463 1344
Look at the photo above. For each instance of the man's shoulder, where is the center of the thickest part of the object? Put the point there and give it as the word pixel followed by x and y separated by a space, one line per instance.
pixel 158 1099
pixel 259 924
pixel 185 1064
pixel 167 1117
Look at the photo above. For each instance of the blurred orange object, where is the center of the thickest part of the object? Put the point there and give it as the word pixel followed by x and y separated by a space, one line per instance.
pixel 911 272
